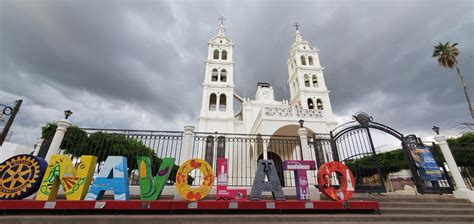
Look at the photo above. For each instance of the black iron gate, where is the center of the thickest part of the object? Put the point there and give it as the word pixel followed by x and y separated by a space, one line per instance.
pixel 440 186
pixel 351 144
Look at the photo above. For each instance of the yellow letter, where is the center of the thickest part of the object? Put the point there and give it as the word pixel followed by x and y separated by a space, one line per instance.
pixel 61 171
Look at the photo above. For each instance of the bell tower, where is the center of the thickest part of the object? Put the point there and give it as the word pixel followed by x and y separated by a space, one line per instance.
pixel 217 112
pixel 306 80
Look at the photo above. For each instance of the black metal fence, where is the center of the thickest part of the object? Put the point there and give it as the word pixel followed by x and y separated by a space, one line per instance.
pixel 129 143
pixel 243 152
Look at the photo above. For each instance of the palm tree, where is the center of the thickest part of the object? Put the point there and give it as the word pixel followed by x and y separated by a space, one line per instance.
pixel 446 55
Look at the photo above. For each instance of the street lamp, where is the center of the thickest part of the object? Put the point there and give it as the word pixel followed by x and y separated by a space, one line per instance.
pixel 67 113
pixel 435 129
pixel 301 122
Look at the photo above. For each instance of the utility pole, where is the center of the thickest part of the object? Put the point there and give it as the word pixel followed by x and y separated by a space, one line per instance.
pixel 12 114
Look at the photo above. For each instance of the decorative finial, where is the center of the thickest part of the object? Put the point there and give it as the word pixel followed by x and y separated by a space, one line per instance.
pixel 296 26
pixel 221 19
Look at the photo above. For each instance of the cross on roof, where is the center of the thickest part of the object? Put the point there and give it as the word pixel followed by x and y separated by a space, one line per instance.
pixel 221 19
pixel 297 26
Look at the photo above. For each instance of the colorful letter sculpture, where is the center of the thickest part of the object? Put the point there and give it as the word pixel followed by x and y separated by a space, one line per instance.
pixel 151 187
pixel 301 179
pixel 20 176
pixel 113 176
pixel 183 187
pixel 266 168
pixel 61 171
pixel 222 193
pixel 346 181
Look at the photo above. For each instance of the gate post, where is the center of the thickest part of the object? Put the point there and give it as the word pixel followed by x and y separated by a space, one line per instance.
pixel 461 189
pixel 187 150
pixel 63 125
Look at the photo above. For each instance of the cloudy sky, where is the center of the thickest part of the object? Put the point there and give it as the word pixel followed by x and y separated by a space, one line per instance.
pixel 140 64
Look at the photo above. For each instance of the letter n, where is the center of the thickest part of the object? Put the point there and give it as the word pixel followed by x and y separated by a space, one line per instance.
pixel 61 171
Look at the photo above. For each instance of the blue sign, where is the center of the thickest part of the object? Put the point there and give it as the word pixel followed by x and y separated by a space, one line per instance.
pixel 427 166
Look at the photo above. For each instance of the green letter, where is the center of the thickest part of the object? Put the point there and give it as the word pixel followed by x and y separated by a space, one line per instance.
pixel 151 187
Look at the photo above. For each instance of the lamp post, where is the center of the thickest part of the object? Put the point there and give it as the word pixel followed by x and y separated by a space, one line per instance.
pixel 67 114
pixel 301 123
pixel 435 129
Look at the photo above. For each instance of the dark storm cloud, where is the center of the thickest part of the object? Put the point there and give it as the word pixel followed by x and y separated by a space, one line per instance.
pixel 139 64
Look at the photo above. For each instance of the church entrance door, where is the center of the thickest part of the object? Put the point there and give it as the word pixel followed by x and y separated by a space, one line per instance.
pixel 278 164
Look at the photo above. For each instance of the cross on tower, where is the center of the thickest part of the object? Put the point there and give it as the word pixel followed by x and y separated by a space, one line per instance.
pixel 297 26
pixel 221 19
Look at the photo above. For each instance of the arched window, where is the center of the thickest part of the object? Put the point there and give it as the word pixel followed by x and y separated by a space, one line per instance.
pixel 310 104
pixel 224 55
pixel 315 81
pixel 212 102
pixel 216 54
pixel 222 102
pixel 221 147
pixel 209 153
pixel 303 60
pixel 310 60
pixel 306 80
pixel 223 75
pixel 319 104
pixel 214 75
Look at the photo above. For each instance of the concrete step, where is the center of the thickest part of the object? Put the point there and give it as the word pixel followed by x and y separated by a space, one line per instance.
pixel 428 211
pixel 414 198
pixel 392 204
pixel 247 218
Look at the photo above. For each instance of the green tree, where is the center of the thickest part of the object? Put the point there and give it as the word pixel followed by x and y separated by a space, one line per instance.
pixel 388 162
pixel 462 149
pixel 76 143
pixel 447 54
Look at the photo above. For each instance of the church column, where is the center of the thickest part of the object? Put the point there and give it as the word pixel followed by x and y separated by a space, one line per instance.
pixel 306 154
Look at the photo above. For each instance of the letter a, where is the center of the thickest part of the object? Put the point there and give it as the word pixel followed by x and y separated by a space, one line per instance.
pixel 266 168
pixel 113 176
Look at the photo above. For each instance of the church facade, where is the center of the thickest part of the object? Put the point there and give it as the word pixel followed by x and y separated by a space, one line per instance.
pixel 264 115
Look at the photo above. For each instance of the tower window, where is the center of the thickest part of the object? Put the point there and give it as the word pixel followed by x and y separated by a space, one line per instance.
pixel 303 60
pixel 310 60
pixel 223 75
pixel 319 104
pixel 214 75
pixel 306 80
pixel 315 81
pixel 310 104
pixel 224 55
pixel 216 54
pixel 222 102
pixel 212 102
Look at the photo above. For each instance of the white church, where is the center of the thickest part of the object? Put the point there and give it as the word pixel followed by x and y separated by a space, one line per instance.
pixel 262 116
pixel 265 115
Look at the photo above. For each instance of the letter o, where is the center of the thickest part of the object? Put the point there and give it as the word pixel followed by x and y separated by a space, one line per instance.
pixel 183 188
pixel 346 181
